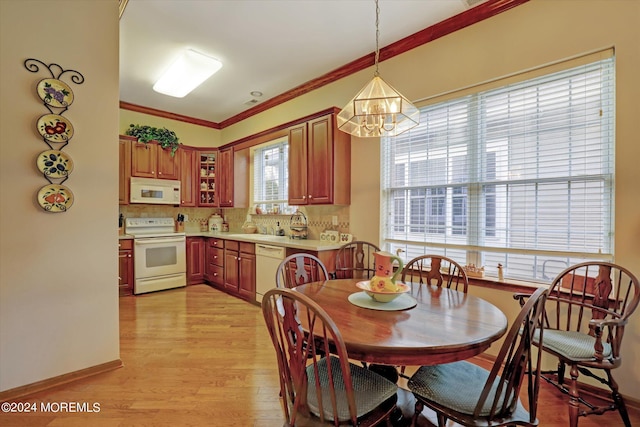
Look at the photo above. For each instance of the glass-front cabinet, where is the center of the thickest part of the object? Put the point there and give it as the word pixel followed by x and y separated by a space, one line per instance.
pixel 208 195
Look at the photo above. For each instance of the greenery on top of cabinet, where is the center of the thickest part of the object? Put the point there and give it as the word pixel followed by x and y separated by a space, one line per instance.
pixel 166 138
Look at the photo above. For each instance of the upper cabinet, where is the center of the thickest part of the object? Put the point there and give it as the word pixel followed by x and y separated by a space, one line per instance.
pixel 225 179
pixel 230 186
pixel 151 161
pixel 207 169
pixel 125 171
pixel 189 166
pixel 319 163
pixel 241 178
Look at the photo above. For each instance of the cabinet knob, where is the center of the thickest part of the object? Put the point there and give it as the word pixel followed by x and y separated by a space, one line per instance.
pixel 129 255
pixel 159 173
pixel 310 196
pixel 239 258
pixel 304 197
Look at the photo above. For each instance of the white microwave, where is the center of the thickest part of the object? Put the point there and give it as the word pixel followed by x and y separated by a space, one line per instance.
pixel 155 191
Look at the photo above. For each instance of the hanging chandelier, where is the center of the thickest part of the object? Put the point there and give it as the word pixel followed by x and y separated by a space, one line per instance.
pixel 378 109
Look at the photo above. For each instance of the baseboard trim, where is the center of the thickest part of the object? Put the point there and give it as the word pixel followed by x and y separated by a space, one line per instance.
pixel 59 380
pixel 597 392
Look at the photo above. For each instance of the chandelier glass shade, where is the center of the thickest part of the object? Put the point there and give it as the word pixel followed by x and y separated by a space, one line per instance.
pixel 378 109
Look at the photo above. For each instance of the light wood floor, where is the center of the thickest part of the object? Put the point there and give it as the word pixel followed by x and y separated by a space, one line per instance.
pixel 198 357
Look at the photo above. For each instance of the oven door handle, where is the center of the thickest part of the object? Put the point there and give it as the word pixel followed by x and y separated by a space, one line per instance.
pixel 158 240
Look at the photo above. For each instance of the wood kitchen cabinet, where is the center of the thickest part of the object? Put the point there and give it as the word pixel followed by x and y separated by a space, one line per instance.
pixel 195 260
pixel 319 163
pixel 225 180
pixel 328 258
pixel 240 269
pixel 189 168
pixel 214 263
pixel 151 161
pixel 125 171
pixel 240 175
pixel 125 267
pixel 207 171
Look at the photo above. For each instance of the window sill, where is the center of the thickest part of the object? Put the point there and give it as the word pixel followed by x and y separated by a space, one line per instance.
pixel 506 285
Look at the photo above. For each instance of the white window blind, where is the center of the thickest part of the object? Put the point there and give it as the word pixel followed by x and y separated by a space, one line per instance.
pixel 271 175
pixel 520 175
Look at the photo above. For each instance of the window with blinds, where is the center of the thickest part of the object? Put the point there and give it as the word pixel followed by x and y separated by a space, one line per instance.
pixel 519 175
pixel 271 175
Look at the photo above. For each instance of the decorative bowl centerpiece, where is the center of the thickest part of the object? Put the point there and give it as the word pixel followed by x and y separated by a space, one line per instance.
pixel 384 295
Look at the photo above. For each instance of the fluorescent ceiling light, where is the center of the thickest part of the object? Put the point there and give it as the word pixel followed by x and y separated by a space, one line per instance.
pixel 186 73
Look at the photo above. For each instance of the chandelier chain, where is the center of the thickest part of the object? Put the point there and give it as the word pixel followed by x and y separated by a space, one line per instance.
pixel 376 73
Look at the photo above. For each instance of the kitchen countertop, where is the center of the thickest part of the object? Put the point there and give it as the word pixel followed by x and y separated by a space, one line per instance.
pixel 283 241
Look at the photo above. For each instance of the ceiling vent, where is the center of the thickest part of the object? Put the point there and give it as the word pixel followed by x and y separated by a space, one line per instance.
pixel 251 102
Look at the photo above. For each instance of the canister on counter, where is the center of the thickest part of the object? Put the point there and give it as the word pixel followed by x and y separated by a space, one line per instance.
pixel 215 222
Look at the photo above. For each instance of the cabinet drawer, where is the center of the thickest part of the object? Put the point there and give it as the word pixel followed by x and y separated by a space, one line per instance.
pixel 216 256
pixel 247 248
pixel 124 244
pixel 216 274
pixel 232 245
pixel 216 243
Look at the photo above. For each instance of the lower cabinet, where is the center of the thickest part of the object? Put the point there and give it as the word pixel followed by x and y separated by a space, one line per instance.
pixel 195 260
pixel 125 267
pixel 214 262
pixel 328 258
pixel 240 269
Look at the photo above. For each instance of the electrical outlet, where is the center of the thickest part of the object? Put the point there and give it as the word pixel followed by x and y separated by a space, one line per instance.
pixel 186 218
pixel 334 220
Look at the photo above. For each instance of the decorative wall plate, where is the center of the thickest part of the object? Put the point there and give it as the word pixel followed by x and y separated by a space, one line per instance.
pixel 55 128
pixel 55 92
pixel 55 164
pixel 55 198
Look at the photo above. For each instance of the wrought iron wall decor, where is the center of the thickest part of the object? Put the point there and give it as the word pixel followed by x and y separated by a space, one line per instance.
pixel 56 131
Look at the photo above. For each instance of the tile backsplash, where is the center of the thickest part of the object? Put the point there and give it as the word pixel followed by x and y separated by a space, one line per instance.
pixel 319 218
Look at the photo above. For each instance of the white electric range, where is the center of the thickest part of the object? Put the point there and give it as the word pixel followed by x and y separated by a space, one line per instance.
pixel 160 260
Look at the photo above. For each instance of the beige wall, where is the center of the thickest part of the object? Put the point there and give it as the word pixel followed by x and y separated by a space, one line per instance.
pixel 58 299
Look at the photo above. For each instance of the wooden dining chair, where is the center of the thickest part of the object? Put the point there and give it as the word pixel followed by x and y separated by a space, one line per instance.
pixel 298 269
pixel 356 260
pixel 328 390
pixel 473 396
pixel 588 307
pixel 436 270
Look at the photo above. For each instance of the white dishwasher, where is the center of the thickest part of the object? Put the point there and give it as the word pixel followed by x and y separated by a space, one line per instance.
pixel 268 258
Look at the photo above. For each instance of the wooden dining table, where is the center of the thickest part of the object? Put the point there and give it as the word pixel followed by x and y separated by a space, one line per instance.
pixel 444 326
